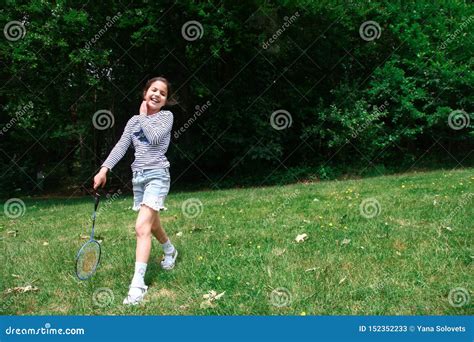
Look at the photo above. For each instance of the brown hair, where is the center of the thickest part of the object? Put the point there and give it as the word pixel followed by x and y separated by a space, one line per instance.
pixel 171 99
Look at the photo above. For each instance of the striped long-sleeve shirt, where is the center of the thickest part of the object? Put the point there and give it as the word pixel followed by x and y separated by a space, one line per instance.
pixel 150 136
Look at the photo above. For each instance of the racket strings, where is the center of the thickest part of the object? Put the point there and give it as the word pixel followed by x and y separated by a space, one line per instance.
pixel 88 259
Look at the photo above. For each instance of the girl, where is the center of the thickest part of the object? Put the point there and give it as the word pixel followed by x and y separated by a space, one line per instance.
pixel 150 133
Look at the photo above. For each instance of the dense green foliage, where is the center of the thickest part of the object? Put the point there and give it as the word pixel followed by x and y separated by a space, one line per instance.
pixel 353 102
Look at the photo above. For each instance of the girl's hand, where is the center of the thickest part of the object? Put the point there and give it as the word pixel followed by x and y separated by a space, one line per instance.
pixel 100 178
pixel 143 110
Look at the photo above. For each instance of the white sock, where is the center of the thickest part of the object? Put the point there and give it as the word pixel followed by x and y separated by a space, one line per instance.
pixel 139 275
pixel 168 247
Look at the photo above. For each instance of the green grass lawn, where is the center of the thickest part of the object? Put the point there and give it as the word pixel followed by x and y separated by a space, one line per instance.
pixel 403 261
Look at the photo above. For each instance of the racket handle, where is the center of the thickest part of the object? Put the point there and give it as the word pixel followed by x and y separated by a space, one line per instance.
pixel 96 203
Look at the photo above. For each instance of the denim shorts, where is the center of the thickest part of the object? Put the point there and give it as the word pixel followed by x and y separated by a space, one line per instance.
pixel 150 188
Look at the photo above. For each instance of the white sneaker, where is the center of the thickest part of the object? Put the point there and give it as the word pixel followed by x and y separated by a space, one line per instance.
pixel 135 295
pixel 169 260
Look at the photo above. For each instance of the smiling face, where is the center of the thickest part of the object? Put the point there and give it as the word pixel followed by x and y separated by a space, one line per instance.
pixel 156 96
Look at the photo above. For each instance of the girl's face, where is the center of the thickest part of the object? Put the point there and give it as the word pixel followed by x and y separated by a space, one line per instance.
pixel 156 96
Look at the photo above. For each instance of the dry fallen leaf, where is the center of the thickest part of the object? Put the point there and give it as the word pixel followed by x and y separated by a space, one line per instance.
pixel 16 276
pixel 22 289
pixel 311 269
pixel 179 234
pixel 210 297
pixel 219 296
pixel 210 294
pixel 342 280
pixel 345 242
pixel 45 243
pixel 12 233
pixel 301 237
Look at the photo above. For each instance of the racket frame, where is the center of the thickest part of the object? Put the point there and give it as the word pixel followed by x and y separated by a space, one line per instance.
pixel 91 240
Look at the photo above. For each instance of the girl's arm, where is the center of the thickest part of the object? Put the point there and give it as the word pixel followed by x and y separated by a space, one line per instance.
pixel 154 130
pixel 120 148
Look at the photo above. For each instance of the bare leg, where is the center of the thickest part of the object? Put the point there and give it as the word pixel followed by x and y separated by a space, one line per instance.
pixel 158 231
pixel 146 218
